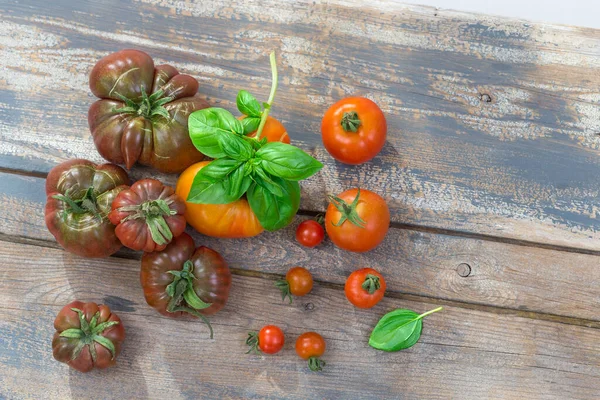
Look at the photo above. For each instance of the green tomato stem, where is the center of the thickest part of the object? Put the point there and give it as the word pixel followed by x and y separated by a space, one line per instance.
pixel 265 114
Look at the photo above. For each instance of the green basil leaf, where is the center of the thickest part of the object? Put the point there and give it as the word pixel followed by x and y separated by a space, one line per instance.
pixel 275 212
pixel 217 170
pixel 247 104
pixel 250 124
pixel 266 182
pixel 398 330
pixel 207 128
pixel 236 147
pixel 227 190
pixel 287 161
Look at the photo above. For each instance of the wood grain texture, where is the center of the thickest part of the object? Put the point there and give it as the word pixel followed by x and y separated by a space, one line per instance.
pixel 520 278
pixel 462 354
pixel 523 165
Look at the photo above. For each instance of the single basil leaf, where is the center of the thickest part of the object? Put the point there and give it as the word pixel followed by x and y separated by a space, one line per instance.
pixel 217 170
pixel 275 212
pixel 207 128
pixel 266 182
pixel 247 104
pixel 236 147
pixel 250 124
pixel 239 183
pixel 398 330
pixel 287 161
pixel 205 191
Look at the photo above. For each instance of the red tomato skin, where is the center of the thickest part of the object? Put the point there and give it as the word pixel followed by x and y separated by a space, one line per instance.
pixel 300 281
pixel 360 297
pixel 310 344
pixel 310 233
pixel 373 209
pixel 354 147
pixel 271 339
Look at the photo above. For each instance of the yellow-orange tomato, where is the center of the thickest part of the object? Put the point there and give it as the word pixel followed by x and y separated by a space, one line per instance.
pixel 273 130
pixel 233 220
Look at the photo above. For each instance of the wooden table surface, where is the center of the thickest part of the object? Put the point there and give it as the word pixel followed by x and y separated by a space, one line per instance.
pixel 491 171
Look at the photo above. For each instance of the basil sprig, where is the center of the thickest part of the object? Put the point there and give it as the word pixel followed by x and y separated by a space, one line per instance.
pixel 398 330
pixel 267 173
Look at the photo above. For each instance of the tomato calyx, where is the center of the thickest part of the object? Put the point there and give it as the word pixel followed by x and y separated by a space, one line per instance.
pixel 89 333
pixel 350 121
pixel 371 283
pixel 315 364
pixel 148 107
pixel 348 211
pixel 86 204
pixel 183 296
pixel 252 342
pixel 284 286
pixel 154 212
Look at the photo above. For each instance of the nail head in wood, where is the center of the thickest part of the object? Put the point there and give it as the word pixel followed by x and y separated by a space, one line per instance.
pixel 463 270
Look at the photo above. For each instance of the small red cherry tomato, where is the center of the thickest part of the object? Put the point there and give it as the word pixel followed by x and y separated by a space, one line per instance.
pixel 310 233
pixel 310 346
pixel 270 340
pixel 298 282
pixel 365 287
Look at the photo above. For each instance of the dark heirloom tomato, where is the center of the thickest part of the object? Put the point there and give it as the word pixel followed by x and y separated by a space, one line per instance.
pixel 143 112
pixel 80 194
pixel 184 280
pixel 87 336
pixel 148 215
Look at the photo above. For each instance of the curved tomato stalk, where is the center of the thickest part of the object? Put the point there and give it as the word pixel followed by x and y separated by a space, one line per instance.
pixel 348 211
pixel 183 296
pixel 316 364
pixel 89 333
pixel 148 107
pixel 252 341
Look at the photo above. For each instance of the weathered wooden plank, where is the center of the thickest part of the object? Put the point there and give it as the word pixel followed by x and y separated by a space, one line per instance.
pixel 523 165
pixel 462 354
pixel 417 263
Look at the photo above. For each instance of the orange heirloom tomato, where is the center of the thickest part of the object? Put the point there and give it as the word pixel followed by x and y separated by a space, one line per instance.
pixel 354 130
pixel 357 220
pixel 233 220
pixel 273 130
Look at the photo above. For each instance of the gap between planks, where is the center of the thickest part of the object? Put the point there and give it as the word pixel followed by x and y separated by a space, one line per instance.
pixel 583 322
pixel 403 226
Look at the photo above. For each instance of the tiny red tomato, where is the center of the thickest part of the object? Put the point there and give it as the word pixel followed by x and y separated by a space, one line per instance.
pixel 354 130
pixel 310 233
pixel 310 346
pixel 270 340
pixel 298 282
pixel 365 288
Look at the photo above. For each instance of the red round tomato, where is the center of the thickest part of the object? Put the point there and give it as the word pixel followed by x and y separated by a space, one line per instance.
pixel 233 220
pixel 298 282
pixel 357 220
pixel 365 287
pixel 310 346
pixel 273 130
pixel 79 196
pixel 148 215
pixel 87 336
pixel 184 280
pixel 270 340
pixel 310 233
pixel 354 130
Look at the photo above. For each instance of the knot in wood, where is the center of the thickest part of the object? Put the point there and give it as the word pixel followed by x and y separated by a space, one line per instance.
pixel 309 307
pixel 484 97
pixel 463 270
